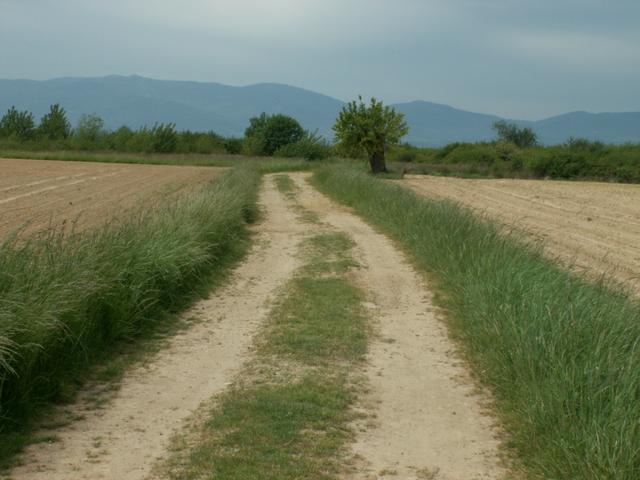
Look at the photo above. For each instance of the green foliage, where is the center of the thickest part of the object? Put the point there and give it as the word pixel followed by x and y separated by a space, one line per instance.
pixel 233 146
pixel 576 159
pixel 523 137
pixel 253 146
pixel 54 125
pixel 268 133
pixel 199 142
pixel 560 354
pixel 90 131
pixel 164 138
pixel 309 147
pixel 18 125
pixel 370 128
pixel 66 300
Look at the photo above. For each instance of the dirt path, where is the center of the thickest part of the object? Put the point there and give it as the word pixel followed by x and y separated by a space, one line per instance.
pixel 429 420
pixel 124 439
pixel 592 227
pixel 48 193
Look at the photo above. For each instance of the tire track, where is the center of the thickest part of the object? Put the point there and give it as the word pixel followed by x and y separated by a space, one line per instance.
pixel 124 439
pixel 429 419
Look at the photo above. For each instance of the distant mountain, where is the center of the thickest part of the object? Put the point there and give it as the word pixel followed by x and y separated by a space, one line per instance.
pixel 607 127
pixel 137 101
pixel 435 124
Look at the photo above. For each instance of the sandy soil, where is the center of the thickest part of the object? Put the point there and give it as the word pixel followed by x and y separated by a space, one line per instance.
pixel 123 440
pixel 429 419
pixel 44 193
pixel 592 227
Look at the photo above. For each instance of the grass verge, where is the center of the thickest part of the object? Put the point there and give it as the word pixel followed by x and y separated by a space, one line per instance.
pixel 263 164
pixel 67 301
pixel 561 355
pixel 288 415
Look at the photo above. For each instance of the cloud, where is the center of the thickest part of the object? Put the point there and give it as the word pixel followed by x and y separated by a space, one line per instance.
pixel 524 58
pixel 577 49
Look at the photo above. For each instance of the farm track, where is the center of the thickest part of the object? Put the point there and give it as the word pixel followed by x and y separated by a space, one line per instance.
pixel 38 194
pixel 594 228
pixel 425 418
pixel 429 421
pixel 132 431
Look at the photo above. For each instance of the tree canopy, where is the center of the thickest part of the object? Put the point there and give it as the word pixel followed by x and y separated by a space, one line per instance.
pixel 54 125
pixel 271 132
pixel 17 124
pixel 522 137
pixel 370 128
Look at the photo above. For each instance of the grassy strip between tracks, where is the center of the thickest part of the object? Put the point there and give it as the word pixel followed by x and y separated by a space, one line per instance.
pixel 287 416
pixel 561 355
pixel 67 301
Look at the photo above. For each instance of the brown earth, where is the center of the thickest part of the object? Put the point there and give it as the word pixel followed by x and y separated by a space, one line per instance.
pixel 594 228
pixel 41 194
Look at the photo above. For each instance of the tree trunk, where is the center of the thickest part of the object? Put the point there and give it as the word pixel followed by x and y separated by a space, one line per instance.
pixel 377 162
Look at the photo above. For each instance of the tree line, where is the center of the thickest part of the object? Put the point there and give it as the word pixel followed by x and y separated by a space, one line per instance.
pixel 362 130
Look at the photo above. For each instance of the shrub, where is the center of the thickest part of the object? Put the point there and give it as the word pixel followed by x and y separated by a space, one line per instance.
pixel 253 146
pixel 310 147
pixel 90 131
pixel 19 125
pixel 476 153
pixel 271 132
pixel 233 146
pixel 164 138
pixel 523 137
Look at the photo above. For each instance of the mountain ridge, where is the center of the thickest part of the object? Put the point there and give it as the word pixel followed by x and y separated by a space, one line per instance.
pixel 136 101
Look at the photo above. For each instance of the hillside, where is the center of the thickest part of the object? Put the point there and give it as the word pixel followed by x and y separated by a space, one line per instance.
pixel 137 101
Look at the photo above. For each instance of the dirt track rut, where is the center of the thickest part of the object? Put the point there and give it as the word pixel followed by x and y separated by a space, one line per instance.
pixel 124 439
pixel 429 419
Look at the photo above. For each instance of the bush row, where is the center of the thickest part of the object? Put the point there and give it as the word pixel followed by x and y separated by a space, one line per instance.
pixel 267 135
pixel 576 159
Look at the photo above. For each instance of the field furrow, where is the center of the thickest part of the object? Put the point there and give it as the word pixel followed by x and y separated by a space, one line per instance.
pixel 592 227
pixel 37 194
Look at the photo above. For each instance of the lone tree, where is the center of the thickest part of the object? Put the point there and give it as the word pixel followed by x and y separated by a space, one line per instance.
pixel 271 132
pixel 370 128
pixel 522 137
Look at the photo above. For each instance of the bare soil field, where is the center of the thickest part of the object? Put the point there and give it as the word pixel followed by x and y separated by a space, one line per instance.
pixel 39 194
pixel 592 227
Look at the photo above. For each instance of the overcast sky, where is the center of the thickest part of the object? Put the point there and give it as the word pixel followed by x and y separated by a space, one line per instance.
pixel 516 58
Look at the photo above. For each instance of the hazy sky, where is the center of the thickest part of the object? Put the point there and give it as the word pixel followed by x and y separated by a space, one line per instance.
pixel 517 58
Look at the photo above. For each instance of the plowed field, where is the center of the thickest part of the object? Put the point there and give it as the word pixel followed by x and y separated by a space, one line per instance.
pixel 592 227
pixel 40 194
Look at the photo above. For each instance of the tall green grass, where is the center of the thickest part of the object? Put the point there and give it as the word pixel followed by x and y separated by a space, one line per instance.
pixel 66 300
pixel 561 355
